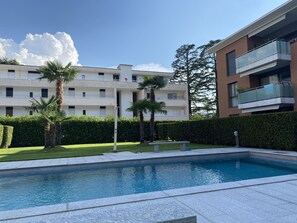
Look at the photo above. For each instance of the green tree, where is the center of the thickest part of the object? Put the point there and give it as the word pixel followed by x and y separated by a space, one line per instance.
pixel 185 66
pixel 150 84
pixel 54 71
pixel 140 107
pixel 195 67
pixel 45 109
pixel 206 89
pixel 9 61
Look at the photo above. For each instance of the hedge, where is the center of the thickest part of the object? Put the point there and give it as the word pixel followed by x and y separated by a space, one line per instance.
pixel 275 131
pixel 29 130
pixel 1 133
pixel 7 136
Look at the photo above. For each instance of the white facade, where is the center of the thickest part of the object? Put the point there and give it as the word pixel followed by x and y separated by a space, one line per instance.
pixel 94 92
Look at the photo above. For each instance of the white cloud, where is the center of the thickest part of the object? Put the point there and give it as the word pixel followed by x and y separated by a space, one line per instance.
pixel 152 67
pixel 36 49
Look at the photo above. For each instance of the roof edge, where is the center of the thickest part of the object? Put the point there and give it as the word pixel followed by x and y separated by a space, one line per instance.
pixel 262 21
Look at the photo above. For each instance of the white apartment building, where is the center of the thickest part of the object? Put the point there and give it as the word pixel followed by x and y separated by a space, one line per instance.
pixel 94 92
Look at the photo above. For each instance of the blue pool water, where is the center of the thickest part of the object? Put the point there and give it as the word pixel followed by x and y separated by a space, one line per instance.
pixel 23 191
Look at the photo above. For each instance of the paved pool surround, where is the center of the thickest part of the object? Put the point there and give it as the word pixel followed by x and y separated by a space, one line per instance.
pixel 160 206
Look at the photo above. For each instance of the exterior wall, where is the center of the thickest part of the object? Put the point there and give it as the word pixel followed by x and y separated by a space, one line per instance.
pixel 240 47
pixel 89 81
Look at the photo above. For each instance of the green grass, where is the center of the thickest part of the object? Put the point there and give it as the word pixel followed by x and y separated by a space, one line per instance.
pixel 33 153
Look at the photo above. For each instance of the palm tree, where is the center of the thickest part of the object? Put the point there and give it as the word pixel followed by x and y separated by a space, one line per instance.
pixel 54 117
pixel 45 108
pixel 54 71
pixel 152 83
pixel 140 107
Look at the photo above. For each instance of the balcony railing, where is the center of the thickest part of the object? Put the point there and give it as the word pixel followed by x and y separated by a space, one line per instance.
pixel 263 52
pixel 266 92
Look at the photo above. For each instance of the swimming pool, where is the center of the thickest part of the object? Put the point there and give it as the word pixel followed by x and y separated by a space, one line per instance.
pixel 47 188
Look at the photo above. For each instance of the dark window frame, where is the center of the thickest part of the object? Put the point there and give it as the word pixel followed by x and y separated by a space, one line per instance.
pixel 232 88
pixel 9 92
pixel 44 92
pixel 9 111
pixel 231 63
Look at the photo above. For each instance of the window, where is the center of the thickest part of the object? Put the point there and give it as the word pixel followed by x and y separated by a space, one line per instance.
pixel 102 111
pixel 71 110
pixel 83 77
pixel 232 92
pixel 11 74
pixel 71 92
pixel 231 64
pixel 101 76
pixel 102 93
pixel 84 112
pixel 116 77
pixel 172 95
pixel 30 112
pixel 9 111
pixel 44 92
pixel 33 72
pixel 9 92
pixel 84 94
pixel 148 95
pixel 134 78
pixel 31 94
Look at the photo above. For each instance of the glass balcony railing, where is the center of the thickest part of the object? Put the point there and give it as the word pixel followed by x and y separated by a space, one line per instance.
pixel 266 92
pixel 270 49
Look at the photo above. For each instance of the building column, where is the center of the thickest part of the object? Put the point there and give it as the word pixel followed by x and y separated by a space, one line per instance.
pixel 293 70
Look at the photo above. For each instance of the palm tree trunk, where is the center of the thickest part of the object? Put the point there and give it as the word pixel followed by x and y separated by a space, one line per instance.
pixel 59 94
pixel 53 136
pixel 141 127
pixel 152 120
pixel 47 135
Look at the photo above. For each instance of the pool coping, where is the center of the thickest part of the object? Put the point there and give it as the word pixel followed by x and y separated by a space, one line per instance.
pixel 103 202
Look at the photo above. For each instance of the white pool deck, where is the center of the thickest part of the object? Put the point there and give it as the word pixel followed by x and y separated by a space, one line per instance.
pixel 272 199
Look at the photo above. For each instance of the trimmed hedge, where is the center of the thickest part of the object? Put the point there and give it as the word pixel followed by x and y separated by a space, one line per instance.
pixel 29 130
pixel 1 133
pixel 7 136
pixel 275 131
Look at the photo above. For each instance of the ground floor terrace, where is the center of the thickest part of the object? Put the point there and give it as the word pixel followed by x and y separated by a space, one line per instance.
pixel 270 199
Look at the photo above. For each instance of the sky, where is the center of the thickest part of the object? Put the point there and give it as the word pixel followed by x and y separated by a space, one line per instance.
pixel 105 33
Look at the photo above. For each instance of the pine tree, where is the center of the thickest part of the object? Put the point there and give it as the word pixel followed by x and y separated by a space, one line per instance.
pixel 196 67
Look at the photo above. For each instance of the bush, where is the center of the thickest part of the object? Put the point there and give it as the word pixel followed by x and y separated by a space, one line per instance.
pixel 1 134
pixel 7 136
pixel 275 131
pixel 28 130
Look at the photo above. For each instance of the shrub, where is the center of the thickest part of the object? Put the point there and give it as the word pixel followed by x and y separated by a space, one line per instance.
pixel 7 136
pixel 1 133
pixel 276 131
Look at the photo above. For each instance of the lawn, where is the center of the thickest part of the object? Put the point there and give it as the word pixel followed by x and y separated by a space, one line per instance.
pixel 33 153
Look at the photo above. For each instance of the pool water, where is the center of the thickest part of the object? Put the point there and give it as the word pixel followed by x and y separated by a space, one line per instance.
pixel 31 190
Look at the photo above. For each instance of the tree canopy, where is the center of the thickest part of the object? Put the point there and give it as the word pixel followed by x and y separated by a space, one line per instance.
pixel 9 61
pixel 195 67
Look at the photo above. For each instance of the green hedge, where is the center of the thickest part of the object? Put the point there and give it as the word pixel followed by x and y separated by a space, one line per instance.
pixel 7 136
pixel 29 130
pixel 1 133
pixel 275 131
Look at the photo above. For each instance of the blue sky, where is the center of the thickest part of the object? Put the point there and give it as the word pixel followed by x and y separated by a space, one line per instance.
pixel 108 32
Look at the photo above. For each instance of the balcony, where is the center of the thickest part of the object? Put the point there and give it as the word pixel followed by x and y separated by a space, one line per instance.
pixel 267 97
pixel 267 57
pixel 87 101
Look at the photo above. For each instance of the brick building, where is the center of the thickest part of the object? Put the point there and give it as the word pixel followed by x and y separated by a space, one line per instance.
pixel 257 65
